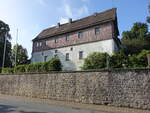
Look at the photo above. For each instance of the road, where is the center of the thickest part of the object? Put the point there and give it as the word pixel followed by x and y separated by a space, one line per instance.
pixel 12 106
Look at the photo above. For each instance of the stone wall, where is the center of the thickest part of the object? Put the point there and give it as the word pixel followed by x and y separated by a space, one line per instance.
pixel 128 88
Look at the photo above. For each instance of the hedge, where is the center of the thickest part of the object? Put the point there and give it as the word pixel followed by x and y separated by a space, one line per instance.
pixel 53 64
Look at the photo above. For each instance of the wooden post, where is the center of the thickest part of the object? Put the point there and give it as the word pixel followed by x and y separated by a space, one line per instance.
pixel 148 58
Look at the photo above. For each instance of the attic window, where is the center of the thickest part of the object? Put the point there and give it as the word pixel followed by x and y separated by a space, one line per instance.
pixel 97 30
pixel 80 34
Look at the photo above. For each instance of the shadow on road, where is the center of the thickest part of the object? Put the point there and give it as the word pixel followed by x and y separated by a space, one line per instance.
pixel 13 109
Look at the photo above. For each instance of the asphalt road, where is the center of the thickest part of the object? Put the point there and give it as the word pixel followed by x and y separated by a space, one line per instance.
pixel 12 106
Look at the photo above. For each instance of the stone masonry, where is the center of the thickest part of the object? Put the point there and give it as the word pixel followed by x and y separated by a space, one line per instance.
pixel 127 88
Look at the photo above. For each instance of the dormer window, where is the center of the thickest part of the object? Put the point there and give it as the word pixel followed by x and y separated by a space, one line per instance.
pixel 80 34
pixel 97 30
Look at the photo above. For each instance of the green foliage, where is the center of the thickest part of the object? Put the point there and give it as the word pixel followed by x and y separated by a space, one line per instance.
pixel 54 64
pixel 118 60
pixel 37 67
pixel 137 39
pixel 20 69
pixel 21 57
pixel 4 33
pixel 7 70
pixel 135 46
pixel 95 61
pixel 148 18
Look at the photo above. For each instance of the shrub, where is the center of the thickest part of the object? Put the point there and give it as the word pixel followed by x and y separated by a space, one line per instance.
pixel 118 60
pixel 95 60
pixel 20 69
pixel 54 64
pixel 37 67
pixel 7 70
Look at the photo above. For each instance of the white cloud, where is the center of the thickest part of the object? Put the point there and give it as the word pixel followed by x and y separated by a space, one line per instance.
pixel 68 10
pixel 42 2
pixel 63 20
pixel 82 11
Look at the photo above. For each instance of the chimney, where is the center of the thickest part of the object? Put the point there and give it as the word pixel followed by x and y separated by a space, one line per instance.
pixel 58 24
pixel 95 14
pixel 70 20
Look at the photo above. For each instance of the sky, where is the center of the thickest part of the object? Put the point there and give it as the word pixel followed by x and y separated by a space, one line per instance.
pixel 30 17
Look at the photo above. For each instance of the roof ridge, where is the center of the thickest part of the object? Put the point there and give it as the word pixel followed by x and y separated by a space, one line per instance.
pixel 82 18
pixel 81 23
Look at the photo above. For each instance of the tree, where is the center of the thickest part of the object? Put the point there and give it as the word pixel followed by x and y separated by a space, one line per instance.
pixel 137 39
pixel 21 55
pixel 4 34
pixel 95 60
pixel 148 18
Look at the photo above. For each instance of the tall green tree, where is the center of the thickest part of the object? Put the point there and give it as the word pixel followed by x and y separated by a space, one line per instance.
pixel 20 54
pixel 137 39
pixel 148 18
pixel 4 34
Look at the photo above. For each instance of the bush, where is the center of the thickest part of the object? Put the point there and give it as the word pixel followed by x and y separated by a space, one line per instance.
pixel 95 60
pixel 37 67
pixel 54 64
pixel 20 69
pixel 118 60
pixel 7 70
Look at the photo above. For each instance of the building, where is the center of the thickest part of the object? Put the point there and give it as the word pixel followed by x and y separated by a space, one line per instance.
pixel 75 40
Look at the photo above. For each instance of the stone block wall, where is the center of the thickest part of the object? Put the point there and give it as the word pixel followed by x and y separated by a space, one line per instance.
pixel 127 88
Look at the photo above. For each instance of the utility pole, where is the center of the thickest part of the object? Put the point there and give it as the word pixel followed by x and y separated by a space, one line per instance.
pixel 5 38
pixel 16 48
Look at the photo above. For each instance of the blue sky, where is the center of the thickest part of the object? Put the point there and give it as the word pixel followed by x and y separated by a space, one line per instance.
pixel 32 16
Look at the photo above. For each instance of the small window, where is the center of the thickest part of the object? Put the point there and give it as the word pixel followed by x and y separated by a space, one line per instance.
pixel 55 55
pixel 67 56
pixel 80 54
pixel 56 40
pixel 71 49
pixel 40 43
pixel 46 42
pixel 37 44
pixel 80 34
pixel 56 51
pixel 97 31
pixel 67 37
pixel 45 58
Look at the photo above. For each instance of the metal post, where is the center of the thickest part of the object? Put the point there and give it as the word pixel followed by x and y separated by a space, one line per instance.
pixel 4 51
pixel 16 49
pixel 148 59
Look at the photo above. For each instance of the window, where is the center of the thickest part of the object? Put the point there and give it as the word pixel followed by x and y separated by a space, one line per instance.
pixel 71 49
pixel 40 43
pixel 56 40
pixel 80 34
pixel 37 44
pixel 80 54
pixel 97 31
pixel 46 43
pixel 45 58
pixel 55 55
pixel 56 51
pixel 67 37
pixel 67 56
